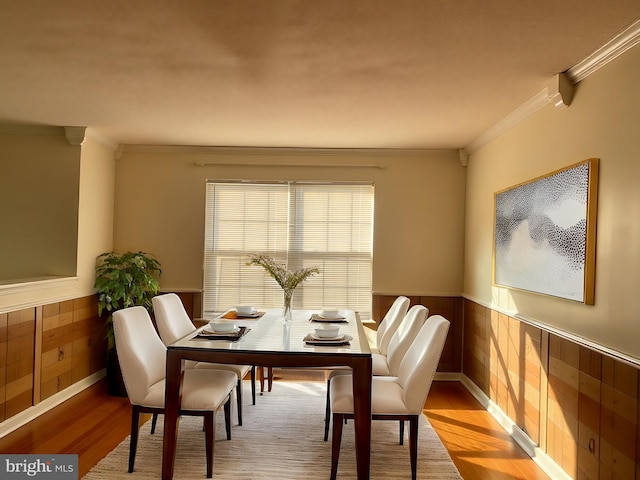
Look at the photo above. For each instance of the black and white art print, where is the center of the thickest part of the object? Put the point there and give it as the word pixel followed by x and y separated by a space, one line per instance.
pixel 545 234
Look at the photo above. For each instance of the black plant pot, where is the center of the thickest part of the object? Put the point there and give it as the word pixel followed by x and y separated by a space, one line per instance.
pixel 115 383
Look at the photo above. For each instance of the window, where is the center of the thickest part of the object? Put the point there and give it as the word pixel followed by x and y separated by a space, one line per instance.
pixel 301 225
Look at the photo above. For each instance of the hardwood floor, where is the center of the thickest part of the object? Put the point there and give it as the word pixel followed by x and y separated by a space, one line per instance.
pixel 92 423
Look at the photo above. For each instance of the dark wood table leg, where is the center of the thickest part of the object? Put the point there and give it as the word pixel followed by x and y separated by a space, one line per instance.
pixel 362 415
pixel 172 399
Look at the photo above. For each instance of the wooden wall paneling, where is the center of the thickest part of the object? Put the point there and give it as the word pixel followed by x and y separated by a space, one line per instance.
pixel 544 389
pixel 89 343
pixel 618 420
pixel 532 379
pixel 20 357
pixel 515 371
pixel 37 358
pixel 638 435
pixel 584 404
pixel 562 424
pixel 57 347
pixel 3 365
pixel 590 377
pixel 493 354
pixel 502 366
pixel 474 343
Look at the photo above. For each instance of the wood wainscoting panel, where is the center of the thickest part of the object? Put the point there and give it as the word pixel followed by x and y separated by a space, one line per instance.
pixel 562 421
pixel 73 345
pixel 618 420
pixel 580 405
pixel 534 367
pixel 3 364
pixel 590 378
pixel 89 342
pixel 19 361
pixel 474 358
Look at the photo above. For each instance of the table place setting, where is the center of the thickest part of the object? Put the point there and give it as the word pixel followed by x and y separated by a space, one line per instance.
pixel 327 335
pixel 219 329
pixel 242 312
pixel 328 316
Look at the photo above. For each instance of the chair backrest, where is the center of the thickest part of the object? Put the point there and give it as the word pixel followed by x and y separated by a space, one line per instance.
pixel 390 323
pixel 404 336
pixel 171 318
pixel 421 361
pixel 141 353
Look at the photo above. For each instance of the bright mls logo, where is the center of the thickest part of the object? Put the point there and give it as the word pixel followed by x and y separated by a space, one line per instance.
pixel 50 467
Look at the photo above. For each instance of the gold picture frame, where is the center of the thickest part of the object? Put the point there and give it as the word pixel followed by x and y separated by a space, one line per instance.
pixel 545 233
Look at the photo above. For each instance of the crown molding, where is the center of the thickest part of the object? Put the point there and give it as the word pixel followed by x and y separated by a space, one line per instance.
pixel 284 151
pixel 613 49
pixel 520 114
pixel 75 135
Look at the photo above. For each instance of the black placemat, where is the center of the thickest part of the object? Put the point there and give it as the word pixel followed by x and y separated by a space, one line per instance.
pixel 231 336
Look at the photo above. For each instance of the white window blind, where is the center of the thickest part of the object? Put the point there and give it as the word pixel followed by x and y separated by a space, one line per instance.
pixel 301 225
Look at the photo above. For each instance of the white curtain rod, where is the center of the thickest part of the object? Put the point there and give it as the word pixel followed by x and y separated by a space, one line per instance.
pixel 317 165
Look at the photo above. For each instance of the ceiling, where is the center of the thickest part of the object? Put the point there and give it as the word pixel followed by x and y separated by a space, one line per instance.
pixel 290 73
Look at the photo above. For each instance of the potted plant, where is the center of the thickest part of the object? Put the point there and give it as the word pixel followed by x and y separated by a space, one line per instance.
pixel 123 280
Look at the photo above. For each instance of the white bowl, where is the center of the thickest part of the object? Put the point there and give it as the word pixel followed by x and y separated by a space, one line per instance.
pixel 329 313
pixel 327 331
pixel 245 310
pixel 222 326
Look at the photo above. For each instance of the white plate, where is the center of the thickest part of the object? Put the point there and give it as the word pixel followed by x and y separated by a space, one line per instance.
pixel 319 318
pixel 222 332
pixel 327 339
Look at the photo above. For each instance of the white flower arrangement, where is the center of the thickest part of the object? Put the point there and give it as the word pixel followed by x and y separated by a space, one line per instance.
pixel 286 278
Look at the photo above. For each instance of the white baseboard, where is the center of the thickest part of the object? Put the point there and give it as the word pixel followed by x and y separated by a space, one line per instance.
pixel 544 461
pixel 35 411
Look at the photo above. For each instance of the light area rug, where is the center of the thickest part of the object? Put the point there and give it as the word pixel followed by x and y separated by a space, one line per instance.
pixel 281 438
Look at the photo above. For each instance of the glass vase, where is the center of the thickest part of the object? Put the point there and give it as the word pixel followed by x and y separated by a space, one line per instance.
pixel 287 313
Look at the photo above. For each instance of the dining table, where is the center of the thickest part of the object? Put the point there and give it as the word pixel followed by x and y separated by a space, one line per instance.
pixel 269 341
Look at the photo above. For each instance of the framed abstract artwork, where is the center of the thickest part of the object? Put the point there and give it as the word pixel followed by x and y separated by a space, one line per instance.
pixel 545 234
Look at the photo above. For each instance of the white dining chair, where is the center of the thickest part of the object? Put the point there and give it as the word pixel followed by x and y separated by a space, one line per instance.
pixel 173 323
pixel 386 365
pixel 395 398
pixel 390 323
pixel 401 340
pixel 142 357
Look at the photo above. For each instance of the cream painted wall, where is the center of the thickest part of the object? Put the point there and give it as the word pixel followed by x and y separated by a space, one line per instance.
pixel 603 121
pixel 419 213
pixel 95 218
pixel 95 173
pixel 39 182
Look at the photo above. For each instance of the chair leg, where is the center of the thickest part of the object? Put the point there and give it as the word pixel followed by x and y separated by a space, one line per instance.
pixel 261 375
pixel 253 384
pixel 268 377
pixel 209 435
pixel 239 400
pixel 327 412
pixel 401 432
pixel 227 417
pixel 413 445
pixel 335 444
pixel 133 443
pixel 154 421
